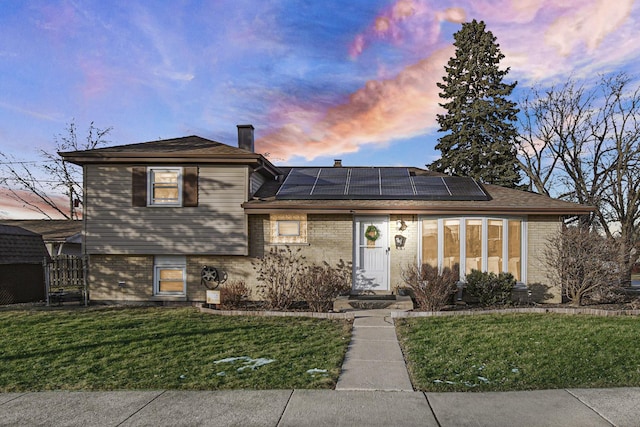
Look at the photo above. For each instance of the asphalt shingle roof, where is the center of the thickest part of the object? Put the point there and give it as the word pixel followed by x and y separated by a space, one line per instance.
pixel 50 229
pixel 20 246
pixel 502 200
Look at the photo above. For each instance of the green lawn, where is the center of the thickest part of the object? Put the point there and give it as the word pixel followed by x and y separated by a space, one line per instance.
pixel 521 352
pixel 163 348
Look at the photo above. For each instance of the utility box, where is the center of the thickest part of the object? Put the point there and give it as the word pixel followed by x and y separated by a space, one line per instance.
pixel 213 297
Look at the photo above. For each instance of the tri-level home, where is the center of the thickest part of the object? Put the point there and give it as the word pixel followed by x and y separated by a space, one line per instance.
pixel 157 212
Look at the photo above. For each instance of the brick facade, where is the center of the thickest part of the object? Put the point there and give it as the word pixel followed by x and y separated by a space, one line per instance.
pixel 540 229
pixel 120 278
pixel 401 257
pixel 330 239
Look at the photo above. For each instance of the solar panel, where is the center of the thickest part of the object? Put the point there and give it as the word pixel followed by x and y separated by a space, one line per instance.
pixel 397 186
pixel 363 190
pixel 461 187
pixel 431 186
pixel 294 191
pixel 332 176
pixel 365 176
pixel 375 183
pixel 394 172
pixel 328 190
pixel 300 176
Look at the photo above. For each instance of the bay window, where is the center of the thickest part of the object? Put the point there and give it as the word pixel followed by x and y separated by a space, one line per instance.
pixel 490 244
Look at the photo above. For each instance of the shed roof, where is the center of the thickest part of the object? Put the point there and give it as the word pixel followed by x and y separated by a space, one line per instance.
pixel 20 246
pixel 52 230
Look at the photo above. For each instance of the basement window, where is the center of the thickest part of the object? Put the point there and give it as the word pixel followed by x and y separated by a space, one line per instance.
pixel 170 274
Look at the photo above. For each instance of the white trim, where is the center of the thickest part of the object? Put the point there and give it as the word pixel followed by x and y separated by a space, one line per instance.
pixel 150 173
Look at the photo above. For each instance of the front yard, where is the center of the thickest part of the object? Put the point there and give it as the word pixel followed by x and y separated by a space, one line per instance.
pixel 521 351
pixel 161 348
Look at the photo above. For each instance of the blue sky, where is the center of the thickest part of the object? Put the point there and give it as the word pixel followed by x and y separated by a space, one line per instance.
pixel 319 80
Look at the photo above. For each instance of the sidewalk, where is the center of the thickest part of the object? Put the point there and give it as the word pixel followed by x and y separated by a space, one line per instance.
pixel 279 408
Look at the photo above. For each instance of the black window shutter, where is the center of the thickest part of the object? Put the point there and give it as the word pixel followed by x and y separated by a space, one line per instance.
pixel 139 186
pixel 190 187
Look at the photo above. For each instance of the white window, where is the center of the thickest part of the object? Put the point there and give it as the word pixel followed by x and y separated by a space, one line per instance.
pixel 475 243
pixel 288 228
pixel 165 186
pixel 170 274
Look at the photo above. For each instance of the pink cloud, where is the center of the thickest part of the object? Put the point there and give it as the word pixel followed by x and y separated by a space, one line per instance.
pixel 412 22
pixel 379 112
pixel 588 24
pixel 10 208
pixel 541 39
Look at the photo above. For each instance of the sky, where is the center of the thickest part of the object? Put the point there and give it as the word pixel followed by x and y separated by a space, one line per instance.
pixel 319 80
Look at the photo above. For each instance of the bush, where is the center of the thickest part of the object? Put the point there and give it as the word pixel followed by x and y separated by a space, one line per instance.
pixel 280 272
pixel 286 279
pixel 322 284
pixel 234 295
pixel 584 264
pixel 431 289
pixel 489 288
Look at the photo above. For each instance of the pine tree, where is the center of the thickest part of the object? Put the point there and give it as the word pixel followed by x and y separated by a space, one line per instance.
pixel 479 118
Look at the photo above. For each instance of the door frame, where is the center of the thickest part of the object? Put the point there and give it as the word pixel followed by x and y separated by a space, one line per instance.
pixel 357 221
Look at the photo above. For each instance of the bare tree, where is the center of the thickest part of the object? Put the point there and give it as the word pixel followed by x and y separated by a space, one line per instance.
pixel 54 175
pixel 583 144
pixel 583 263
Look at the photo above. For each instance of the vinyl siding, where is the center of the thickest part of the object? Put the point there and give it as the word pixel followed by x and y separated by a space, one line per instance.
pixel 217 226
pixel 257 180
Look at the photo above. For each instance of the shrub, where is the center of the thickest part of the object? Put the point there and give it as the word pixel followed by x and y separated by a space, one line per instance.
pixel 431 289
pixel 321 284
pixel 280 272
pixel 234 294
pixel 584 264
pixel 490 288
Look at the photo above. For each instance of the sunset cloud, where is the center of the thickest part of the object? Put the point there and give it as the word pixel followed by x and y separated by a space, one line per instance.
pixel 540 38
pixel 11 208
pixel 379 112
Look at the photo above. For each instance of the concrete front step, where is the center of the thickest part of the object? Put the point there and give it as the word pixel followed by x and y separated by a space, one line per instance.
pixel 372 302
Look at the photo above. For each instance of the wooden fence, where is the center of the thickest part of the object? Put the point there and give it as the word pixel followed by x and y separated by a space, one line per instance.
pixel 66 279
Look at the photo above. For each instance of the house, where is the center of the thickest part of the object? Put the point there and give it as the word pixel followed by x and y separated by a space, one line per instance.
pixel 61 236
pixel 157 212
pixel 22 259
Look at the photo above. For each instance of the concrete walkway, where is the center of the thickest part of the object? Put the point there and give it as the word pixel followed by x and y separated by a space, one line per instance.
pixel 279 408
pixel 374 360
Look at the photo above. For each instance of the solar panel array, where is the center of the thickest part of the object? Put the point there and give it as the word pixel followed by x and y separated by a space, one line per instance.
pixel 375 183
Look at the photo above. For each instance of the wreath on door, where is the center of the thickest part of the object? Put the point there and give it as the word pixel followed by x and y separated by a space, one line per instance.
pixel 372 233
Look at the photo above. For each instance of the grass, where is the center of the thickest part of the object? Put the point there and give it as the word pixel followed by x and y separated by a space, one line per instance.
pixel 162 348
pixel 521 352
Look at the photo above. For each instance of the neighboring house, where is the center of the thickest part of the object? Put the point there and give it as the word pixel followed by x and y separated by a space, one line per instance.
pixel 60 236
pixel 22 258
pixel 156 213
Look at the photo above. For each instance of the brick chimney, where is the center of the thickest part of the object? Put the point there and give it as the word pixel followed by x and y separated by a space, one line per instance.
pixel 337 163
pixel 245 137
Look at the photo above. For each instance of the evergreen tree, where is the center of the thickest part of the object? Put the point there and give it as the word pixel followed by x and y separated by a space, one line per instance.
pixel 479 118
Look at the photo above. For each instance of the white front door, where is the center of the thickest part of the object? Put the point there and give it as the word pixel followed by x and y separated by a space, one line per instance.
pixel 371 247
